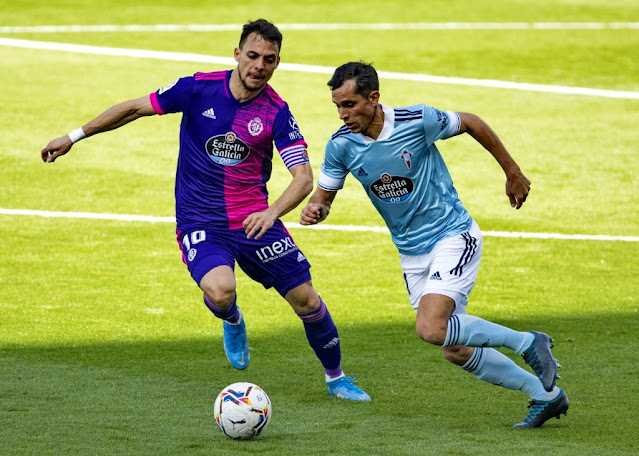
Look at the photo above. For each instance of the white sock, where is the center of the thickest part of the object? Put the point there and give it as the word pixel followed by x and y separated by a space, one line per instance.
pixel 472 331
pixel 330 379
pixel 491 366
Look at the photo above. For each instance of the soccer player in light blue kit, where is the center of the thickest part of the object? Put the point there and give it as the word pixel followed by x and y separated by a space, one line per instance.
pixel 391 151
pixel 230 122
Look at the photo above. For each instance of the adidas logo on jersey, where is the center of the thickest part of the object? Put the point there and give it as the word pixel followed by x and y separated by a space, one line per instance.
pixel 361 172
pixel 435 276
pixel 210 113
pixel 300 257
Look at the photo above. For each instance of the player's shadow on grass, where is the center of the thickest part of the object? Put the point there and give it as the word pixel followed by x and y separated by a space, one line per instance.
pixel 125 390
pixel 377 354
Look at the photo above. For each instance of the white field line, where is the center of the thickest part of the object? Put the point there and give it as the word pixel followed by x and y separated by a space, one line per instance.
pixel 317 69
pixel 374 229
pixel 325 27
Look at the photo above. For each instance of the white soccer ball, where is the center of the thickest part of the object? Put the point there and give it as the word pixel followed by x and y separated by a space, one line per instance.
pixel 242 410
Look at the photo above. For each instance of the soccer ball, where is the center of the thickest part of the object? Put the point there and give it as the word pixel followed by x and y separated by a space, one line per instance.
pixel 242 410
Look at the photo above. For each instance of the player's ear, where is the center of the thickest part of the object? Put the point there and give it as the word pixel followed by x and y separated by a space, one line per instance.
pixel 373 97
pixel 236 54
pixel 277 63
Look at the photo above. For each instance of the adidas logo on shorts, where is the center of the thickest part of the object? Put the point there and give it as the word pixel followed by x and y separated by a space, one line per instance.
pixel 435 276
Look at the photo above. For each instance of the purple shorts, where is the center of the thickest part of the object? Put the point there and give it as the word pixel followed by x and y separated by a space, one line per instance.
pixel 273 260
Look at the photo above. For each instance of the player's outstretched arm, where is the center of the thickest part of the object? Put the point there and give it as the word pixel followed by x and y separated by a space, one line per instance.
pixel 318 207
pixel 257 223
pixel 517 185
pixel 112 118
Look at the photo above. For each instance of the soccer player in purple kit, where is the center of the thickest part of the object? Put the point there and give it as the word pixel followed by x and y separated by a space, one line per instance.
pixel 230 120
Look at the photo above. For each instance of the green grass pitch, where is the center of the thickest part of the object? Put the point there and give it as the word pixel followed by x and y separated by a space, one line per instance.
pixel 105 346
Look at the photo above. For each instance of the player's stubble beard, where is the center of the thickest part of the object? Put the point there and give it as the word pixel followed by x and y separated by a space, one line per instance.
pixel 243 81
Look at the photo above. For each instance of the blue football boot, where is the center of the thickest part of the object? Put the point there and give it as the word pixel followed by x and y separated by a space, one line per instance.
pixel 542 411
pixel 236 344
pixel 344 388
pixel 540 359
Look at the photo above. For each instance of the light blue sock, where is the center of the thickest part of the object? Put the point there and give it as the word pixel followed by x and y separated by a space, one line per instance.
pixel 472 331
pixel 491 366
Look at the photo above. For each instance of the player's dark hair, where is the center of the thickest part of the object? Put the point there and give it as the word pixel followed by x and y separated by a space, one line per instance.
pixel 263 28
pixel 364 75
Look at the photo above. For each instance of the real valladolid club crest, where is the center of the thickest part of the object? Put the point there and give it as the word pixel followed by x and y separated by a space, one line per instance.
pixel 255 126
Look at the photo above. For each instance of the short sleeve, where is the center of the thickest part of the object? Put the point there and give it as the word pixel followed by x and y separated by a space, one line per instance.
pixel 173 97
pixel 288 139
pixel 439 124
pixel 333 173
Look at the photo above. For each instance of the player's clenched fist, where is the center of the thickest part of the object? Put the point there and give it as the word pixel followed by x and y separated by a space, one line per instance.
pixel 313 213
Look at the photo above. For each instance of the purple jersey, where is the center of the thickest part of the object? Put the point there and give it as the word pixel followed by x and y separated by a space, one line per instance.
pixel 226 148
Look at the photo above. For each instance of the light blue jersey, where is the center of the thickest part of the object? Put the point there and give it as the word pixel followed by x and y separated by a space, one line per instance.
pixel 403 174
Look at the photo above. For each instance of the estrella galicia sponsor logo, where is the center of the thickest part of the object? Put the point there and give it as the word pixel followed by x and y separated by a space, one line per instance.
pixel 392 189
pixel 276 250
pixel 227 149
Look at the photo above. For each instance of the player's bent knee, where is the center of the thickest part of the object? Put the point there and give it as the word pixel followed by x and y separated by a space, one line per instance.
pixel 221 296
pixel 303 298
pixel 219 285
pixel 306 305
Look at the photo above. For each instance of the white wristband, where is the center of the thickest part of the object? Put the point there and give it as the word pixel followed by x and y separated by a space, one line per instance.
pixel 77 135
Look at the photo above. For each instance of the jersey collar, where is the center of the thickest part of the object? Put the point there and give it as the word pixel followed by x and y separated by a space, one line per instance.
pixel 387 129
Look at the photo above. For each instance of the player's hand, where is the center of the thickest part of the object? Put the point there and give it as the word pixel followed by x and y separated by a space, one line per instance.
pixel 56 148
pixel 517 189
pixel 256 224
pixel 313 213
